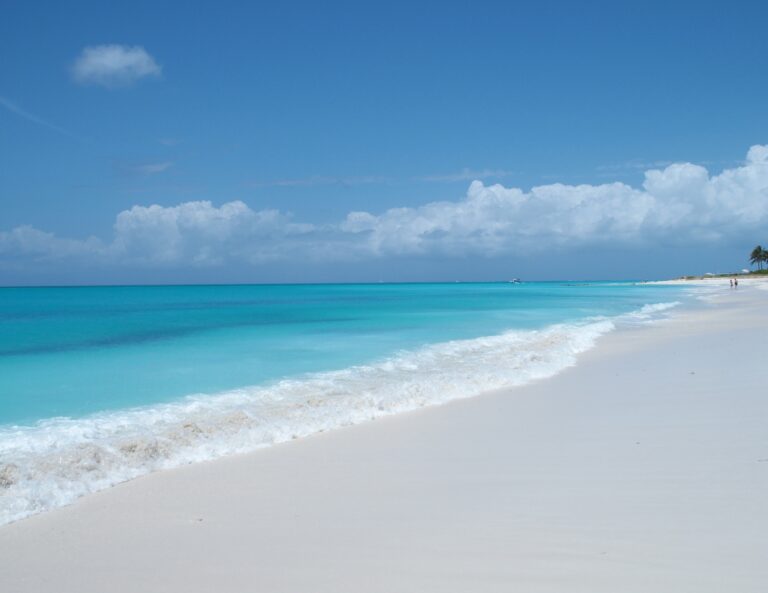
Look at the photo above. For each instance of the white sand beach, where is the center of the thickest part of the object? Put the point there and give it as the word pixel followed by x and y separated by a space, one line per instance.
pixel 644 468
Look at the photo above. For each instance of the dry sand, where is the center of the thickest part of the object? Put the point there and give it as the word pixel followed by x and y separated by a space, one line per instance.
pixel 642 469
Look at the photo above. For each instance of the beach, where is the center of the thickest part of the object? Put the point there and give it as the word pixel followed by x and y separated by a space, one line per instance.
pixel 644 467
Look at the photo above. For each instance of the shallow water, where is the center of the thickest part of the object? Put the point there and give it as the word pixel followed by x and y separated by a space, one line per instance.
pixel 102 384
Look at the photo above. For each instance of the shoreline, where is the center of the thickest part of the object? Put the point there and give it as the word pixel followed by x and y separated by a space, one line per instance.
pixel 642 468
pixel 55 462
pixel 759 280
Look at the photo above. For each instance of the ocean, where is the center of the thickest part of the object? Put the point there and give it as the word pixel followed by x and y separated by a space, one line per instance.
pixel 99 385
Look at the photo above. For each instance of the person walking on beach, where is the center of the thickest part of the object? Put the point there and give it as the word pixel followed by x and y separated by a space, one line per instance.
pixel 735 282
pixel 731 282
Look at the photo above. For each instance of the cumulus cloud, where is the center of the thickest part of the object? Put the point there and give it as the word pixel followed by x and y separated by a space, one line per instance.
pixel 679 204
pixel 26 241
pixel 114 66
pixel 200 233
pixel 192 233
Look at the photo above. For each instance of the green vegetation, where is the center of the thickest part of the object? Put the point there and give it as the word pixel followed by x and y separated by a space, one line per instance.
pixel 758 257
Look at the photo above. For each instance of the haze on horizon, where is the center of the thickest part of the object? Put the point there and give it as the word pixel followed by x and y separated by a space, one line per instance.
pixel 248 142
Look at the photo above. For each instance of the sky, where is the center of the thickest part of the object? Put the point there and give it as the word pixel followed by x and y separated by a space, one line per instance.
pixel 176 142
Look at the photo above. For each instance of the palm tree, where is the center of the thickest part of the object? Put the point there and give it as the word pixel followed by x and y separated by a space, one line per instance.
pixel 758 256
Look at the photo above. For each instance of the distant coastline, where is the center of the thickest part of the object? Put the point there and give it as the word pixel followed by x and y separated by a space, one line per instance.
pixel 757 275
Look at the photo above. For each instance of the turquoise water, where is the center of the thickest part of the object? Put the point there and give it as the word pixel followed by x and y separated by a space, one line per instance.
pixel 74 351
pixel 100 385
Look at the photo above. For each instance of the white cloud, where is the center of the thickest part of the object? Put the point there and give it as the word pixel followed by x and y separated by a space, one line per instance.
pixel 468 175
pixel 634 164
pixel 27 241
pixel 114 66
pixel 152 168
pixel 315 181
pixel 679 204
pixel 200 233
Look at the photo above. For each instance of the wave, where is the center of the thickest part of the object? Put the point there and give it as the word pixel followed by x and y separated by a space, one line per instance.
pixel 58 460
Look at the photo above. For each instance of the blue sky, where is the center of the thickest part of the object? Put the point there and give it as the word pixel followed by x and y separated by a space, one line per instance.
pixel 347 138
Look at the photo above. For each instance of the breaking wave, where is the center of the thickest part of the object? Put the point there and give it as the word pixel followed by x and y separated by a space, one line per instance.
pixel 58 460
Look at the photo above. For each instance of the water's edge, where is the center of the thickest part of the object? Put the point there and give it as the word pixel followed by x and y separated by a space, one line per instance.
pixel 58 460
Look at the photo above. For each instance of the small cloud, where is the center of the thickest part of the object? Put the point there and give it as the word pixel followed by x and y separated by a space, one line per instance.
pixel 634 165
pixel 151 168
pixel 320 180
pixel 468 175
pixel 114 66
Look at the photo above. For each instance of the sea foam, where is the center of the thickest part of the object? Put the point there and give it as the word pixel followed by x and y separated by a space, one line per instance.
pixel 58 460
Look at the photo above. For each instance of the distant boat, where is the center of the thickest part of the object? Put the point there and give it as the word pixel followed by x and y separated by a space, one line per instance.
pixel 515 281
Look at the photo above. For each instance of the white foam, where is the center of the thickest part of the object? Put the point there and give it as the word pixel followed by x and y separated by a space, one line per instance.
pixel 60 459
pixel 647 312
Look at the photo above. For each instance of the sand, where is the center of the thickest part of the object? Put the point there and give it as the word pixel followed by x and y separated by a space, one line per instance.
pixel 644 468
